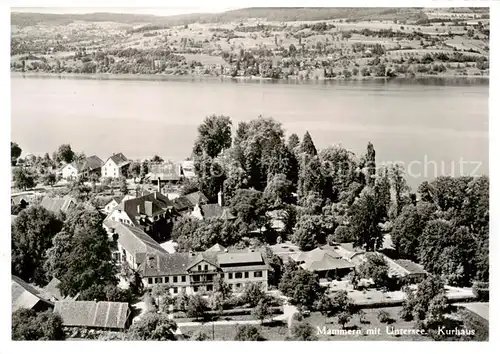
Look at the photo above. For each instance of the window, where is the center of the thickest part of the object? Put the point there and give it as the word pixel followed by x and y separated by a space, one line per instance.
pixel 150 280
pixel 210 287
pixel 206 266
pixel 230 275
pixel 199 266
pixel 175 279
pixel 238 285
pixel 175 290
pixel 210 277
pixel 183 279
pixel 166 279
pixel 195 289
pixel 157 280
pixel 257 274
pixel 246 274
pixel 238 275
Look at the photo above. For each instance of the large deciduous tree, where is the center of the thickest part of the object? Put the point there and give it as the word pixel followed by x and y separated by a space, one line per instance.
pixel 81 254
pixel 23 179
pixel 64 154
pixel 32 233
pixel 214 135
pixel 364 219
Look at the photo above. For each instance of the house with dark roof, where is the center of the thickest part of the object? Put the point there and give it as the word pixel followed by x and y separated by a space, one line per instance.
pixel 190 272
pixel 132 243
pixel 115 166
pixel 186 203
pixel 90 165
pixel 56 204
pixel 114 202
pixel 324 261
pixel 28 297
pixel 102 315
pixel 213 211
pixel 150 212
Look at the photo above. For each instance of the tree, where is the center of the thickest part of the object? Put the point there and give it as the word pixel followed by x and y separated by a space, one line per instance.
pixel 364 217
pixel 196 307
pixel 15 152
pixel 221 287
pixel 276 266
pixel 278 191
pixel 293 142
pixel 134 170
pixel 123 186
pixel 64 154
pixel 375 268
pixel 32 233
pixel 309 232
pixel 262 311
pixel 248 205
pixel 301 286
pixel 343 318
pixel 144 170
pixel 153 326
pixel 29 325
pixel 200 337
pixel 406 232
pixel 49 179
pixel 307 145
pixel 23 179
pixel 416 303
pixel 162 295
pixel 303 331
pixel 399 187
pixel 371 167
pixel 81 254
pixel 247 333
pixel 156 159
pixel 253 294
pixel 214 135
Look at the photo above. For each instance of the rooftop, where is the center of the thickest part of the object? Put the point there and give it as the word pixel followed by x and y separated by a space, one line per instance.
pixel 56 204
pixel 102 314
pixel 24 295
pixel 133 239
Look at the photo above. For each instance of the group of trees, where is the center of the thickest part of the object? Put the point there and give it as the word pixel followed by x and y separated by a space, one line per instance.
pixel 76 251
pixel 447 230
pixel 331 195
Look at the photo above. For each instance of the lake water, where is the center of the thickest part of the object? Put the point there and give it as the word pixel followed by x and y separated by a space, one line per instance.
pixel 429 127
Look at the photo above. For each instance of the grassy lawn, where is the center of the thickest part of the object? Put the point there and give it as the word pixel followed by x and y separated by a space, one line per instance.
pixel 279 331
pixel 370 322
pixel 227 332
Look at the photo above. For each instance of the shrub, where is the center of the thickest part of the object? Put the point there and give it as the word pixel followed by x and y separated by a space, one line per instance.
pixel 481 291
pixel 384 316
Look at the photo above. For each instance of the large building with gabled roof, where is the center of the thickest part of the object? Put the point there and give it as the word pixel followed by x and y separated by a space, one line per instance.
pixel 190 272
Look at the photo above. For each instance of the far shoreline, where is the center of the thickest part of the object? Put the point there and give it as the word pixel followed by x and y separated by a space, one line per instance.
pixel 200 78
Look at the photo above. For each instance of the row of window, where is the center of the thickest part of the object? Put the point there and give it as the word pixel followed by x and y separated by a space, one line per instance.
pixel 243 275
pixel 175 279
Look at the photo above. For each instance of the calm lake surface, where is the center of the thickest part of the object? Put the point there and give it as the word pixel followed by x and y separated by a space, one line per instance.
pixel 430 124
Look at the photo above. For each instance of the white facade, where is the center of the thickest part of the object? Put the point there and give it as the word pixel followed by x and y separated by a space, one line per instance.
pixel 69 172
pixel 112 170
pixel 120 216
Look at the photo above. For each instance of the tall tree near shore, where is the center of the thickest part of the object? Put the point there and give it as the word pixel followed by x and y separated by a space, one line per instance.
pixel 307 145
pixel 400 189
pixel 364 217
pixel 370 165
pixel 214 135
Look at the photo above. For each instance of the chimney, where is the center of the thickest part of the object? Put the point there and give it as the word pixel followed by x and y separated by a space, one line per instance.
pixel 159 185
pixel 220 198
